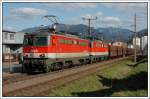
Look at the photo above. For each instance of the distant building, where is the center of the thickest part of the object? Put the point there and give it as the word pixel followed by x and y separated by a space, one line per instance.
pixel 144 42
pixel 141 42
pixel 138 42
pixel 12 41
pixel 130 46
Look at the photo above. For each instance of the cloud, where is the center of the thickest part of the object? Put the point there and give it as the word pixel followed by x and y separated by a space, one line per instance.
pixel 126 6
pixel 109 19
pixel 103 20
pixel 139 8
pixel 8 28
pixel 98 14
pixel 82 5
pixel 79 19
pixel 129 9
pixel 71 6
pixel 27 13
pixel 87 16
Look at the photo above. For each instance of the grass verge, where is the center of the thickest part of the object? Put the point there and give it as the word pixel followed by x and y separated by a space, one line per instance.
pixel 122 79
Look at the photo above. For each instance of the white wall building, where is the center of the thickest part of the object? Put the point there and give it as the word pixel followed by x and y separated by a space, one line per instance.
pixel 144 42
pixel 141 42
pixel 130 46
pixel 12 41
pixel 138 42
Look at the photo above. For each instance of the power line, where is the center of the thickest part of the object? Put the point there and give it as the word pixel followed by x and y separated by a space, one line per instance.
pixel 89 30
pixel 89 23
pixel 135 38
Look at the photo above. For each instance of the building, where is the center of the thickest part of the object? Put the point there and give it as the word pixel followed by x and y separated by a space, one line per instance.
pixel 8 40
pixel 144 42
pixel 141 42
pixel 138 42
pixel 130 46
pixel 11 43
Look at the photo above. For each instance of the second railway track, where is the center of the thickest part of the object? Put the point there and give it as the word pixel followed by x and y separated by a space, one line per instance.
pixel 40 84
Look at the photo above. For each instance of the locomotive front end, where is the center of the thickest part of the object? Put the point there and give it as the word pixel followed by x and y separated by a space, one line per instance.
pixel 35 51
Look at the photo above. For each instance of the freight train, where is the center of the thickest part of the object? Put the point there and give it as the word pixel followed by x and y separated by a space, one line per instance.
pixel 52 51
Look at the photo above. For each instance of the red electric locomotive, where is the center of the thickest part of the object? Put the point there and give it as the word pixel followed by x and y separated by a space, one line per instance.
pixel 49 51
pixel 99 50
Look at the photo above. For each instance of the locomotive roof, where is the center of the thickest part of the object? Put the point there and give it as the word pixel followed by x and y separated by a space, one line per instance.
pixel 48 33
pixel 61 34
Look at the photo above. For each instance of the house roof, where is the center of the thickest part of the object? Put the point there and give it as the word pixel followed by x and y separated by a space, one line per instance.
pixel 8 31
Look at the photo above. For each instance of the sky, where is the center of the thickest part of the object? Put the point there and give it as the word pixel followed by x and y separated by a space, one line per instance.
pixel 18 16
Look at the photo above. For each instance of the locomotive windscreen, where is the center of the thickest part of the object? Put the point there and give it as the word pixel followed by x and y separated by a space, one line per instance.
pixel 36 40
pixel 40 41
pixel 28 40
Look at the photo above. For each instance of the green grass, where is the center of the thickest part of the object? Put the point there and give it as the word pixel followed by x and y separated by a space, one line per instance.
pixel 123 79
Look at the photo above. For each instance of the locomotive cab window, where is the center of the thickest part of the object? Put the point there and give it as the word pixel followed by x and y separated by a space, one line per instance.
pixel 40 41
pixel 28 40
pixel 36 40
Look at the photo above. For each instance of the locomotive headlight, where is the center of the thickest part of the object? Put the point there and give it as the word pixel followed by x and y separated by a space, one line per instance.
pixel 42 55
pixel 26 56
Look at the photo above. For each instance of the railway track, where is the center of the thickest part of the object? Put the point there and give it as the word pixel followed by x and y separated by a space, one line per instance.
pixel 39 85
pixel 20 77
pixel 17 78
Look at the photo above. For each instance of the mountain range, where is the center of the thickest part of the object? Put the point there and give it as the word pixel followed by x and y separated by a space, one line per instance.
pixel 107 34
